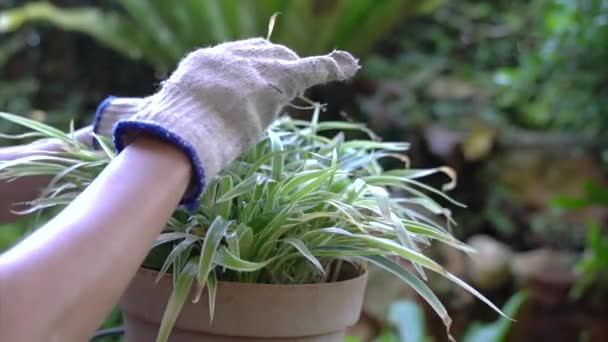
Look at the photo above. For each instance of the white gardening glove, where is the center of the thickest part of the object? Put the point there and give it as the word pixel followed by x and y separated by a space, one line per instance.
pixel 220 100
pixel 112 109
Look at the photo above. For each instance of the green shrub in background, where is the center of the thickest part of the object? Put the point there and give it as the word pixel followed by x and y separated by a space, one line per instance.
pixel 593 265
pixel 15 95
pixel 536 65
pixel 559 81
pixel 22 89
pixel 160 32
pixel 520 87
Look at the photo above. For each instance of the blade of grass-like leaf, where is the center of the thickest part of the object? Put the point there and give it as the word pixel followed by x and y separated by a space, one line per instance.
pixel 384 204
pixel 312 185
pixel 420 173
pixel 60 176
pixel 246 240
pixel 415 283
pixel 265 9
pixel 28 135
pixel 300 178
pixel 376 145
pixel 212 292
pixel 262 160
pixel 405 238
pixel 214 235
pixel 474 292
pixel 273 231
pixel 36 163
pixel 337 125
pixel 176 252
pixel 276 145
pixel 41 204
pixel 232 240
pixel 302 249
pixel 47 130
pixel 337 251
pixel 226 259
pixel 389 245
pixel 435 191
pixel 244 187
pixel 359 161
pixel 168 237
pixel 429 231
pixel 271 22
pixel 224 208
pixel 396 181
pixel 208 199
pixel 104 146
pixel 177 300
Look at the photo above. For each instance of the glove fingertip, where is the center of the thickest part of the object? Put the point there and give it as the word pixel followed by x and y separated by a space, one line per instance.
pixel 348 64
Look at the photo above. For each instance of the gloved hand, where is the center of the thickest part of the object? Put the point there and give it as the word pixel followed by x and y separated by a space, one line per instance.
pixel 220 100
pixel 112 109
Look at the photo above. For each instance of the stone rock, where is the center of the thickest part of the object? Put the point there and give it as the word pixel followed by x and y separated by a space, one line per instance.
pixel 489 267
pixel 547 273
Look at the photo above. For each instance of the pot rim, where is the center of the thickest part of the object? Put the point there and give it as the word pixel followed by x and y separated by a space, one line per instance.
pixel 167 276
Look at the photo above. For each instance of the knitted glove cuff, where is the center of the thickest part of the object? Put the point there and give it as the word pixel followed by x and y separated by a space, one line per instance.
pixel 112 109
pixel 126 130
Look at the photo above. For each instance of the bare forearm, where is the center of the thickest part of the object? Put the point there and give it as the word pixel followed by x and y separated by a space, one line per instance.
pixel 67 276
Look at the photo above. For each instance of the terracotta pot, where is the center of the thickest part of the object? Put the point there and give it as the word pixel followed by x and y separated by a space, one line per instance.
pixel 245 312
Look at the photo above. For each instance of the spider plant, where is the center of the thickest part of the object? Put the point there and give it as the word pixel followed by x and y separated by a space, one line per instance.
pixel 291 210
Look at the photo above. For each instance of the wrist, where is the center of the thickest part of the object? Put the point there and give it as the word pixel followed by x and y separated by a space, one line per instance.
pixel 162 150
pixel 159 150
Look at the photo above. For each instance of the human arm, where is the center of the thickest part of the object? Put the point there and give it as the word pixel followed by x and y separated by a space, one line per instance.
pixel 62 280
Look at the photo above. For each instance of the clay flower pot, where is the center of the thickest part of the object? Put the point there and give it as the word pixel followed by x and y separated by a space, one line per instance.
pixel 245 312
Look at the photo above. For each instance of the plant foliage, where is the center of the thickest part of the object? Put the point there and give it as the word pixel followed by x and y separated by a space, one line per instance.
pixel 291 210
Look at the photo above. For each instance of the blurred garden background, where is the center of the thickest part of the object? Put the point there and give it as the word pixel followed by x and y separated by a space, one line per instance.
pixel 513 95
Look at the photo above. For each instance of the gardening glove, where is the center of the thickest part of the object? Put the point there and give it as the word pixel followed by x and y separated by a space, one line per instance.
pixel 112 109
pixel 220 100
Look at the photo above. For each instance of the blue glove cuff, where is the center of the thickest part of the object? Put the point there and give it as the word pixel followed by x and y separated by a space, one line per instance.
pixel 197 183
pixel 99 117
